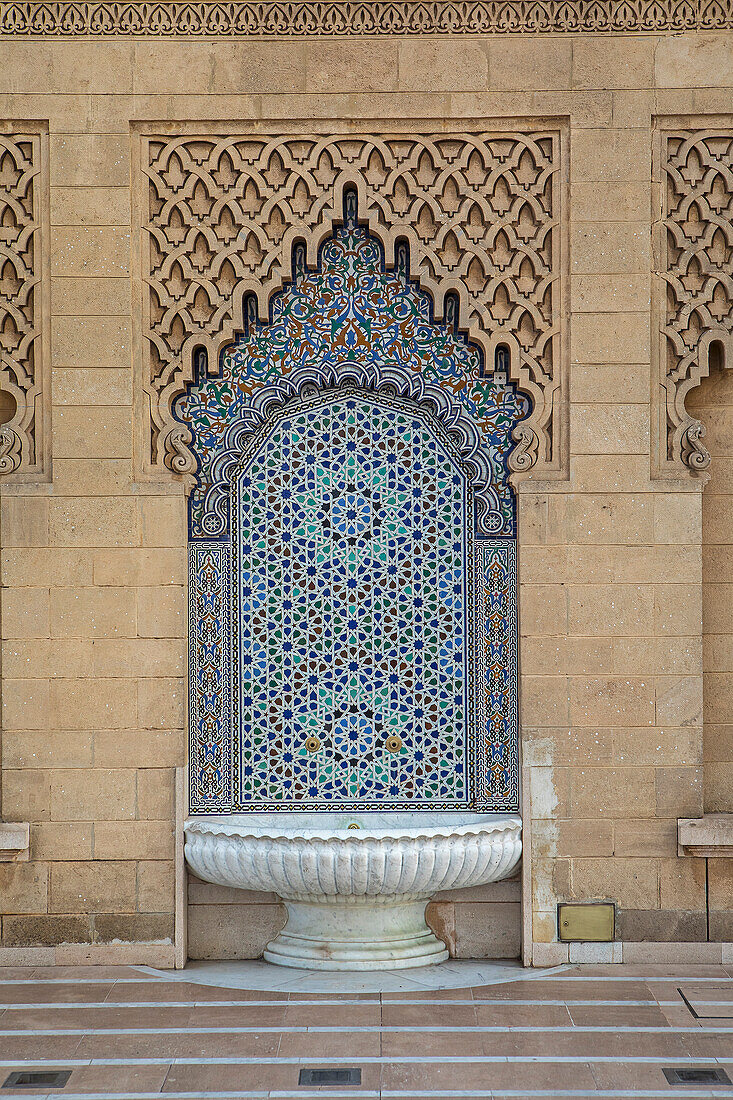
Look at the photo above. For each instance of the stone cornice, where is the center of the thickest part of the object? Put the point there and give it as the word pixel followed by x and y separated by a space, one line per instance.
pixel 339 18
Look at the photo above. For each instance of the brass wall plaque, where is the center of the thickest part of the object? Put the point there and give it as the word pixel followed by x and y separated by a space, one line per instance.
pixel 586 921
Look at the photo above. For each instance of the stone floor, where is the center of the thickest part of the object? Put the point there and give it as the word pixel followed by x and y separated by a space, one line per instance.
pixel 574 1031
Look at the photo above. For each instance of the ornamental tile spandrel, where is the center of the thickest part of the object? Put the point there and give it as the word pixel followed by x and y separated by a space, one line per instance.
pixel 481 215
pixel 24 284
pixel 367 18
pixel 696 298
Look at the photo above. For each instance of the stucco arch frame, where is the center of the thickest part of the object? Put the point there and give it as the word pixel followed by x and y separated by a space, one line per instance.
pixel 428 187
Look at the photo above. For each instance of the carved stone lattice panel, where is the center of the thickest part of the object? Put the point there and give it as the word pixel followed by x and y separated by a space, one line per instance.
pixel 23 301
pixel 480 213
pixel 273 19
pixel 696 315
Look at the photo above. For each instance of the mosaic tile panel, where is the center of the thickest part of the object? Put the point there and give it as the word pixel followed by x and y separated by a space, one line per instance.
pixel 362 537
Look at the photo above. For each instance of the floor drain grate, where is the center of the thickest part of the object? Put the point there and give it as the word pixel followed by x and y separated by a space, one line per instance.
pixel 330 1077
pixel 33 1079
pixel 696 1075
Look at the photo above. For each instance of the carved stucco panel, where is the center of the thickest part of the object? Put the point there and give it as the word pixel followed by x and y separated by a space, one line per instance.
pixel 695 284
pixel 481 213
pixel 24 309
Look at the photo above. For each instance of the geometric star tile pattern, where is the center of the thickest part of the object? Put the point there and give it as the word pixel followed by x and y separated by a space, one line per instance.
pixel 352 629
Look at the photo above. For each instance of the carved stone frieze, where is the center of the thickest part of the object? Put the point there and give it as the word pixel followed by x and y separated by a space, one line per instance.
pixel 274 19
pixel 480 214
pixel 23 307
pixel 696 310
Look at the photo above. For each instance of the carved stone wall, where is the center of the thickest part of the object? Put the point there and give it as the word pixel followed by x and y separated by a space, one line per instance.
pixel 23 300
pixel 245 18
pixel 480 213
pixel 696 245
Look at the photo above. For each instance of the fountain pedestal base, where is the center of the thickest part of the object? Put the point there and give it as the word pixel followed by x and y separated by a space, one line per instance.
pixel 369 933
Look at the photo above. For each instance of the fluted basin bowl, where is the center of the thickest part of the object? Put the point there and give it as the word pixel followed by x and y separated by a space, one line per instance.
pixel 355 885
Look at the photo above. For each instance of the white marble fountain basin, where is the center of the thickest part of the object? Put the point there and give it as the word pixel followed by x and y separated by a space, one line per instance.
pixel 355 885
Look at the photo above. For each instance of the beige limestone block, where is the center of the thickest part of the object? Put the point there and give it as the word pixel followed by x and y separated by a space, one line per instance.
pixel 532 512
pixel 163 521
pixel 47 749
pixel 37 930
pixel 544 700
pixel 585 108
pixel 602 382
pixel 107 887
pixel 611 518
pixel 677 610
pixel 133 928
pixel 611 701
pixel 90 251
pixel 609 430
pixel 611 155
pixel 659 655
pixel 232 931
pixel 584 838
pixel 206 893
pixel 161 702
pixel 544 564
pixel 26 613
pixel 24 521
pixel 85 341
pixel 89 160
pixel 24 887
pixel 667 745
pixel 717 648
pixel 567 746
pixel 718 743
pixel 682 883
pixel 354 66
pixel 155 886
pixel 90 703
pixel 619 200
pixel 86 205
pixel 550 792
pixel 633 883
pixel 718 697
pixel 693 60
pixel 161 612
pixel 609 610
pixel 46 565
pixel 490 931
pixel 679 700
pixel 644 837
pixel 720 883
pixel 610 294
pixel 610 248
pixel 657 563
pixel 92 386
pixel 718 607
pixel 145 840
pixel 562 656
pixel 601 473
pixel 26 795
pixel 26 704
pixel 94 522
pixel 677 518
pixel 93 613
pixel 44 658
pixel 225 66
pixel 94 477
pixel 594 564
pixel 99 794
pixel 718 520
pixel 140 749
pixel 62 840
pixel 634 107
pixel 613 62
pixel 609 338
pixel 138 657
pixel 523 62
pixel 138 568
pixel 428 64
pixel 611 792
pixel 155 794
pixel 543 609
pixel 718 787
pixel 678 791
